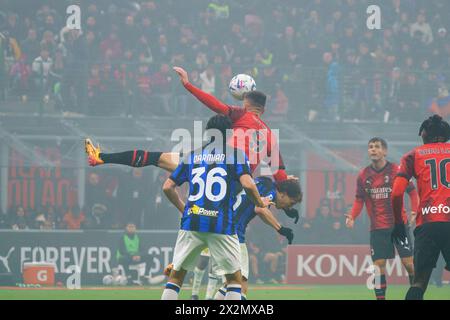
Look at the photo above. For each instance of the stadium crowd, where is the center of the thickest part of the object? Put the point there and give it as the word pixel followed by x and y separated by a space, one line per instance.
pixel 316 59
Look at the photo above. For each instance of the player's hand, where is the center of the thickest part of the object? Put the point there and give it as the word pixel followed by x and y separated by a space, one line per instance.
pixel 349 221
pixel 293 214
pixel 399 234
pixel 267 202
pixel 412 219
pixel 182 74
pixel 288 233
pixel 291 177
pixel 168 269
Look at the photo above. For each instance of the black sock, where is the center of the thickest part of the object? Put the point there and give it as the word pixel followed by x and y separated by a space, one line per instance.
pixel 381 292
pixel 411 279
pixel 414 293
pixel 135 158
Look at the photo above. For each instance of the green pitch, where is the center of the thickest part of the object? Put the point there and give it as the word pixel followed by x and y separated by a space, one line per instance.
pixel 273 292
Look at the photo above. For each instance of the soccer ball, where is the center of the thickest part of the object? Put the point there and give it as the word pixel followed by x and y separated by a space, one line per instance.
pixel 120 280
pixel 241 84
pixel 108 280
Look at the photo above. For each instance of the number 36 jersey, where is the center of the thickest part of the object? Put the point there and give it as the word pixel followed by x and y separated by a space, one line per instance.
pixel 430 165
pixel 213 184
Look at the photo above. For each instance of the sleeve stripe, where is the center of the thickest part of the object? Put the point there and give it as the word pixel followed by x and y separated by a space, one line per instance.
pixel 134 157
pixel 145 158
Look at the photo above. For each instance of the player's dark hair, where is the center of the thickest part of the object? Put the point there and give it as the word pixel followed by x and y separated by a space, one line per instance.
pixel 380 140
pixel 291 187
pixel 435 129
pixel 221 123
pixel 256 98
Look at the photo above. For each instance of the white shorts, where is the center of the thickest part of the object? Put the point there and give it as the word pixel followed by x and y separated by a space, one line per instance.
pixel 245 266
pixel 224 249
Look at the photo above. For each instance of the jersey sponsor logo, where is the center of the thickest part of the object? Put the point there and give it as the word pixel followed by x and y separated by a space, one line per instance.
pixel 379 193
pixel 202 211
pixel 435 210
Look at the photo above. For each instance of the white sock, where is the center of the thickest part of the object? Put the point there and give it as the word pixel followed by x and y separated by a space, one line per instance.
pixel 220 295
pixel 198 277
pixel 233 292
pixel 212 285
pixel 170 292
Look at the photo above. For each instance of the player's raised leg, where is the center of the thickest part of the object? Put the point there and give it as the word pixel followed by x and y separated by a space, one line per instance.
pixel 133 158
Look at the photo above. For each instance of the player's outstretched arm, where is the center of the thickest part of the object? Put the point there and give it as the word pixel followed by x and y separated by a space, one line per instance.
pixel 358 205
pixel 133 158
pixel 208 100
pixel 266 215
pixel 170 190
pixel 251 190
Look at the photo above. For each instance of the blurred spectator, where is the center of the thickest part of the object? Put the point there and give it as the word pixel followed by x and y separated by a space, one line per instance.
pixel 18 219
pixel 31 46
pixel 333 91
pixel 423 29
pixel 409 102
pixel 133 195
pixel 161 82
pixel 111 47
pixel 218 35
pixel 20 74
pixel 441 104
pixel 41 71
pixel 73 219
pixel 131 252
pixel 208 80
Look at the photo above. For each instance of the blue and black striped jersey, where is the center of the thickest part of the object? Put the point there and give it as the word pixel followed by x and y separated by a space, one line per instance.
pixel 213 185
pixel 245 209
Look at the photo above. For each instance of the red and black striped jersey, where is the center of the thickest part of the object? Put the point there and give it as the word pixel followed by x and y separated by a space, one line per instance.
pixel 428 164
pixel 375 188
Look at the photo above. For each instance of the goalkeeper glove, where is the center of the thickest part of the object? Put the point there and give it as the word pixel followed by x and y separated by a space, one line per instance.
pixel 293 214
pixel 288 233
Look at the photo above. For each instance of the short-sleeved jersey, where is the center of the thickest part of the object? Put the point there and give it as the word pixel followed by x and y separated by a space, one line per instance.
pixel 375 188
pixel 213 184
pixel 259 143
pixel 430 165
pixel 245 208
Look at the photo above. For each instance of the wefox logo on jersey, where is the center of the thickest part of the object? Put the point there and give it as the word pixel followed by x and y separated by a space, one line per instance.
pixel 202 211
pixel 436 209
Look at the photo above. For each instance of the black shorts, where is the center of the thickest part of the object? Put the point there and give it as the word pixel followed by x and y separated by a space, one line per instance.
pixel 431 239
pixel 382 246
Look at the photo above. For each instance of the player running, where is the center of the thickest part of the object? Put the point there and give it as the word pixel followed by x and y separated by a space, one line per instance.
pixel 208 219
pixel 428 165
pixel 374 187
